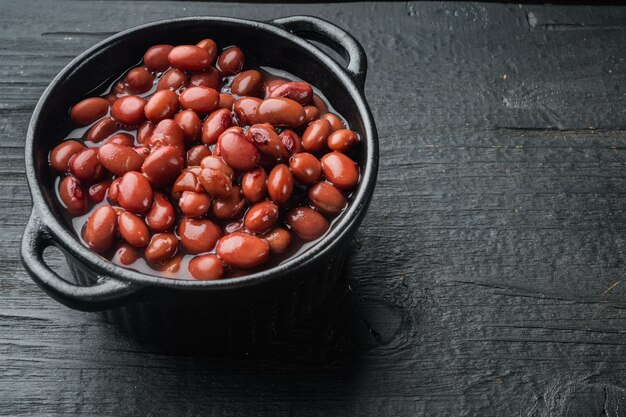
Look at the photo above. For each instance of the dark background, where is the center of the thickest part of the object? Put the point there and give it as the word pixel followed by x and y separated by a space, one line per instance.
pixel 485 280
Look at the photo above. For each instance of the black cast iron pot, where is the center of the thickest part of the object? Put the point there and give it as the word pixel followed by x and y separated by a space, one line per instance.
pixel 227 313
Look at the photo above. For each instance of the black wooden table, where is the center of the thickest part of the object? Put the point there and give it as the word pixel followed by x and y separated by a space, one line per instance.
pixel 487 278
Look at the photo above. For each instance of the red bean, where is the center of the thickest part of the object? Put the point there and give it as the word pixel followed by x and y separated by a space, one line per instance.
pixel 217 162
pixel 162 166
pixel 295 90
pixel 198 235
pixel 142 151
pixel 172 80
pixel 271 85
pixel 85 166
pixel 99 231
pixel 189 121
pixel 196 154
pixel 114 191
pixel 310 113
pixel 267 141
pixel 119 159
pixel 254 185
pixel 230 61
pixel 133 229
pixel 315 136
pixel 242 250
pixel 161 216
pixel 342 140
pixel 139 80
pixel 144 133
pixel 210 46
pixel 125 255
pixel 320 104
pixel 129 110
pixel 206 267
pixel 230 207
pixel 261 217
pixel 340 170
pixel 247 83
pixel 209 78
pixel 291 140
pixel 307 223
pixel 101 130
pixel 200 99
pixel 168 133
pixel 134 192
pixel 73 196
pixel 327 198
pixel 281 112
pixel 237 151
pixel 305 167
pixel 246 110
pixel 215 182
pixel 162 105
pixel 214 125
pixel 194 204
pixel 121 139
pixel 98 191
pixel 334 120
pixel 162 247
pixel 280 184
pixel 61 154
pixel 155 58
pixel 227 101
pixel 173 265
pixel 186 181
pixel 89 110
pixel 279 239
pixel 189 58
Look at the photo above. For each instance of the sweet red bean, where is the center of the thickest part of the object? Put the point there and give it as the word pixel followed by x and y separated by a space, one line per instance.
pixel 217 162
pixel 215 124
pixel 254 185
pixel 139 79
pixel 162 247
pixel 162 105
pixel 267 141
pixel 85 166
pixel 320 104
pixel 334 120
pixel 172 80
pixel 114 189
pixel 340 170
pixel 246 109
pixel 133 229
pixel 305 167
pixel 230 61
pixel 196 154
pixel 73 196
pixel 261 217
pixel 279 239
pixel 310 113
pixel 144 133
pixel 198 235
pixel 242 250
pixel 200 99
pixel 189 121
pixel 168 133
pixel 342 140
pixel 121 139
pixel 247 83
pixel 161 216
pixel 189 58
pixel 295 90
pixel 237 151
pixel 186 181
pixel 155 58
pixel 291 140
pixel 281 112
pixel 125 255
pixel 230 207
pixel 129 110
pixel 327 198
pixel 315 136
pixel 280 184
pixel 99 231
pixel 215 182
pixel 227 101
pixel 119 159
pixel 101 130
pixel 209 78
pixel 89 110
pixel 98 191
pixel 194 204
pixel 134 192
pixel 206 267
pixel 210 46
pixel 307 223
pixel 61 154
pixel 162 166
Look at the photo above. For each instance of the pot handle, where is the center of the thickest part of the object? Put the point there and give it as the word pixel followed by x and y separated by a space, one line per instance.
pixel 106 293
pixel 334 37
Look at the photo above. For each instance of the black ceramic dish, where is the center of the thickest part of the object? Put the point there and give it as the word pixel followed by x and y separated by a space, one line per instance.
pixel 228 312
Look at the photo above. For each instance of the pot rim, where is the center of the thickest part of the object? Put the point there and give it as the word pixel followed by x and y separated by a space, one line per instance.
pixel 349 220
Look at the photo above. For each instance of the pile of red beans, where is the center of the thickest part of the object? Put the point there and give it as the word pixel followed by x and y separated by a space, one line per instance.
pixel 191 166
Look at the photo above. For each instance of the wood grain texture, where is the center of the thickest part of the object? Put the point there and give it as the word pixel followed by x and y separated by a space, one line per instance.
pixel 487 279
